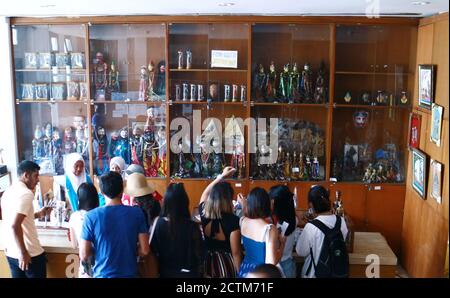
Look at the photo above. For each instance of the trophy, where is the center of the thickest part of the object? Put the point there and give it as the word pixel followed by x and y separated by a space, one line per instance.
pixel 73 91
pixel 188 59
pixel 177 92
pixel 45 60
pixel 57 91
pixel 243 93
pixel 83 90
pixel 200 95
pixel 77 60
pixel 235 93
pixel 27 92
pixel 227 92
pixel 31 61
pixel 185 91
pixel 193 92
pixel 41 91
pixel 180 59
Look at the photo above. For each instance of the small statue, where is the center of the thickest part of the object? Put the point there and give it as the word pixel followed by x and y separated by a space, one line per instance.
pixel 365 98
pixel 381 98
pixel 239 161
pixel 47 139
pixel 294 84
pixel 308 168
pixel 81 142
pixel 367 174
pixel 271 82
pixel 57 148
pixel 181 173
pixel 161 78
pixel 136 146
pixel 315 169
pixel 287 166
pixel 162 149
pixel 306 83
pixel 217 166
pixel 301 168
pixel 279 164
pixel 347 97
pixel 113 143
pixel 180 59
pixel 320 90
pixel 283 89
pixel 197 168
pixel 70 143
pixel 143 84
pixel 188 59
pixel 38 144
pixel 100 72
pixel 151 80
pixel 295 169
pixel 259 83
pixel 150 157
pixel 100 144
pixel 114 78
pixel 122 146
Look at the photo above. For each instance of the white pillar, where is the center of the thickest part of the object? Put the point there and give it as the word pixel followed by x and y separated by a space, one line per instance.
pixel 8 137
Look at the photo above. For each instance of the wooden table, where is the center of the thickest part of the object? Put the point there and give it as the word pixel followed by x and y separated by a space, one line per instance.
pixel 367 247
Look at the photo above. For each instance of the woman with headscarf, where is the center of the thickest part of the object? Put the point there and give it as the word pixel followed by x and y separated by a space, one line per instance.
pixel 74 175
pixel 117 164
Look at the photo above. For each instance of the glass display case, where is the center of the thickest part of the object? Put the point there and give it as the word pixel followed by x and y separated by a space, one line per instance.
pixel 208 95
pixel 128 62
pixel 373 83
pixel 51 92
pixel 290 82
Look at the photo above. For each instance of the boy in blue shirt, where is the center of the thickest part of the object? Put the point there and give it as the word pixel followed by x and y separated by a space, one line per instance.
pixel 113 231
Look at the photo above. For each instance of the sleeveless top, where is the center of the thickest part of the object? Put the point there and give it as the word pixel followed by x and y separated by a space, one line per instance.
pixel 255 252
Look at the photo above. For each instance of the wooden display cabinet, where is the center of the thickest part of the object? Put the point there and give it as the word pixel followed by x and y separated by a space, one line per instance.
pixel 359 55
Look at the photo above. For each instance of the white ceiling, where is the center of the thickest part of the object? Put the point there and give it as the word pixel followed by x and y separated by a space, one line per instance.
pixel 41 8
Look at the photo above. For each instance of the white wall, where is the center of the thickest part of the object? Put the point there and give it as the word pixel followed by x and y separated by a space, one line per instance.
pixel 8 139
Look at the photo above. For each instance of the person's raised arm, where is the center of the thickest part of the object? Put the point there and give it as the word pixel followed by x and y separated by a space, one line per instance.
pixel 25 257
pixel 227 171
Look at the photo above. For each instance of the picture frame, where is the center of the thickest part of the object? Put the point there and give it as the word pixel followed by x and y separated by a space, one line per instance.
pixel 415 122
pixel 426 85
pixel 436 180
pixel 436 124
pixel 419 172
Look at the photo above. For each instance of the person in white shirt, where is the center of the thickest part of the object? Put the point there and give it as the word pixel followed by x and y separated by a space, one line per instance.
pixel 26 257
pixel 283 215
pixel 87 200
pixel 312 237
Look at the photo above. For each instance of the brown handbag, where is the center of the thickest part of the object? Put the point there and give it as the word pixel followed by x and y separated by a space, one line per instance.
pixel 148 266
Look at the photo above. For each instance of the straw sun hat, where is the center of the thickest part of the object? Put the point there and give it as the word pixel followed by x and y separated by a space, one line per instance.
pixel 137 186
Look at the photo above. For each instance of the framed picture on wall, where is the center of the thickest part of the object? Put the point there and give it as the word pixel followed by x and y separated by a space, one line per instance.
pixel 436 124
pixel 415 121
pixel 419 172
pixel 436 180
pixel 426 85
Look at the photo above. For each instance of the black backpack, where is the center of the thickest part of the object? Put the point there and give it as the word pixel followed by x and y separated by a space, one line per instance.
pixel 333 260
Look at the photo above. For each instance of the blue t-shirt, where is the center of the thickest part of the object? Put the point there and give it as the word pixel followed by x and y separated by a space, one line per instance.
pixel 113 231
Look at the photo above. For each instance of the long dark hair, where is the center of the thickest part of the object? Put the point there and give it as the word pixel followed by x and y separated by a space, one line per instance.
pixel 176 207
pixel 87 197
pixel 283 206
